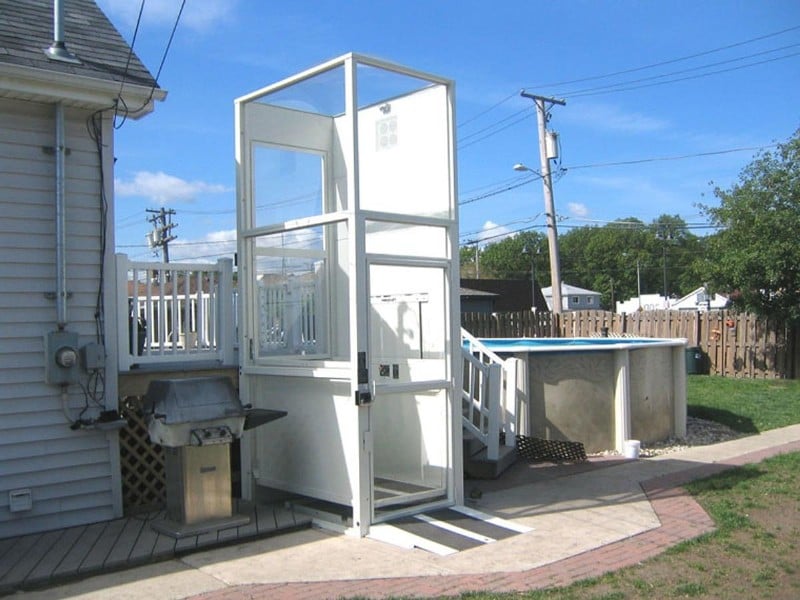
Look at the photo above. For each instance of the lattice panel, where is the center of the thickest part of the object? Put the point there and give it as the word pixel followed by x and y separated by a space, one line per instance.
pixel 142 462
pixel 537 449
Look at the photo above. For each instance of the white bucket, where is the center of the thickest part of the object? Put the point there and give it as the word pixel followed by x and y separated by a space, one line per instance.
pixel 630 448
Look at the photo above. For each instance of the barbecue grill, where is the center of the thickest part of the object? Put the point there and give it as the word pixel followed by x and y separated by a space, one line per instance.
pixel 196 420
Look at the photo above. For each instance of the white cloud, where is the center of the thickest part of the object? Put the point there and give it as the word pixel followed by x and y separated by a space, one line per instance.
pixel 577 209
pixel 492 232
pixel 213 245
pixel 608 117
pixel 162 188
pixel 198 15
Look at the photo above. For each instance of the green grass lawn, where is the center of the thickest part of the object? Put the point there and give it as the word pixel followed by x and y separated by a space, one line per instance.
pixel 746 405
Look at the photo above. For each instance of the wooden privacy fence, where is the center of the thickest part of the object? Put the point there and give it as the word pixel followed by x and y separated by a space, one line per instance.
pixel 732 344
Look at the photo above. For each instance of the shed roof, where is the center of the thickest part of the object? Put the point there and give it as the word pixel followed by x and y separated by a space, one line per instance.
pixel 567 289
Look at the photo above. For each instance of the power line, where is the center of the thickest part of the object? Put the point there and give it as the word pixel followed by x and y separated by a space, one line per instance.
pixel 160 66
pixel 666 158
pixel 679 79
pixel 669 61
pixel 514 122
pixel 507 188
pixel 127 65
pixel 503 120
pixel 606 89
pixel 491 108
pixel 610 86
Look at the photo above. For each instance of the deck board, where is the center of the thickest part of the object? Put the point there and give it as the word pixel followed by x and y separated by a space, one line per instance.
pixel 32 555
pixel 55 554
pixel 21 547
pixel 187 543
pixel 79 550
pixel 125 542
pixel 96 556
pixel 46 558
pixel 5 546
pixel 143 548
pixel 283 517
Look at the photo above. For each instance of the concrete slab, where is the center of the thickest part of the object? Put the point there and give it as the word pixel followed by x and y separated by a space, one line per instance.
pixel 582 520
pixel 168 580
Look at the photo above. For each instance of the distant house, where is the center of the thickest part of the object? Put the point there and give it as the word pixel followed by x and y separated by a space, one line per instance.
pixel 697 300
pixel 512 295
pixel 643 302
pixel 477 301
pixel 573 298
pixel 701 301
pixel 58 99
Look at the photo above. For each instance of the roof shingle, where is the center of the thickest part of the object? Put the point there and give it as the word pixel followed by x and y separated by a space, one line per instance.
pixel 26 30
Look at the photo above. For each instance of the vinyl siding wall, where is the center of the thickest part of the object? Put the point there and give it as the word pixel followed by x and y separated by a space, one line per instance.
pixel 73 476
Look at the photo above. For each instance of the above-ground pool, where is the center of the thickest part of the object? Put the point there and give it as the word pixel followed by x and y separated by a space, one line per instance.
pixel 600 391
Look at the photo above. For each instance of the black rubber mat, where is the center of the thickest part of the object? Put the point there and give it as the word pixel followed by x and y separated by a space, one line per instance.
pixel 536 449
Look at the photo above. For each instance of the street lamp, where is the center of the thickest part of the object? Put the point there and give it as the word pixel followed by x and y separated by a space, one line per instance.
pixel 552 232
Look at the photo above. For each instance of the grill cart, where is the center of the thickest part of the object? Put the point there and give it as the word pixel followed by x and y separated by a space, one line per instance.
pixel 196 420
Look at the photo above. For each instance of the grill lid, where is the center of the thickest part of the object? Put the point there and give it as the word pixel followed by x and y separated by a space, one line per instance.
pixel 192 400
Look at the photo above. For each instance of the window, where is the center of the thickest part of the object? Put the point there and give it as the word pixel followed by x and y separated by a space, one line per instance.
pixel 297 291
pixel 287 184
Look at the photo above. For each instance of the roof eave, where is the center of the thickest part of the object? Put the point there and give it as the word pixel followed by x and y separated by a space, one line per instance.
pixel 27 83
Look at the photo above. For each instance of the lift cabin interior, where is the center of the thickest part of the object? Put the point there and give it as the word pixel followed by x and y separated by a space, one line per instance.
pixel 349 320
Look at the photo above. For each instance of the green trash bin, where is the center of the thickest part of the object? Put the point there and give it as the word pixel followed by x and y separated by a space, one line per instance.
pixel 694 361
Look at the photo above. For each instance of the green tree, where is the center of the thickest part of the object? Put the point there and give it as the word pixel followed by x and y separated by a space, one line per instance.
pixel 756 255
pixel 625 255
pixel 467 256
pixel 511 257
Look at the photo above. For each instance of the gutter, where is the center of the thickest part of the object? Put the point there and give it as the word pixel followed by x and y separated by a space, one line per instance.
pixel 41 85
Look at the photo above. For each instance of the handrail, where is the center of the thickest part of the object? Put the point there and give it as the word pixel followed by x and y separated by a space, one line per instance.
pixel 174 313
pixel 489 395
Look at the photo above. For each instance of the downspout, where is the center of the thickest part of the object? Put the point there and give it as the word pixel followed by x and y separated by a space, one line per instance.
pixel 61 221
pixel 58 51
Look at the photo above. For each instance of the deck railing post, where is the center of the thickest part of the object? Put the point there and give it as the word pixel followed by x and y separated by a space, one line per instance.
pixel 494 400
pixel 226 326
pixel 127 331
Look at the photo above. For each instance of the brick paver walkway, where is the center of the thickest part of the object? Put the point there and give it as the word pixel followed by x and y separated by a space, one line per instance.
pixel 681 519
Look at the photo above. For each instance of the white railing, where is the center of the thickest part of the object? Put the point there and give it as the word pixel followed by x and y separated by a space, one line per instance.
pixel 290 319
pixel 173 312
pixel 490 398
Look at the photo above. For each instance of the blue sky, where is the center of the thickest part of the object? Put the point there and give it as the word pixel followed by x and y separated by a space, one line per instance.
pixel 736 91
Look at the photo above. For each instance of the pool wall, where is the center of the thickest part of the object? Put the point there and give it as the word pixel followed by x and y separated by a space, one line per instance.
pixel 602 393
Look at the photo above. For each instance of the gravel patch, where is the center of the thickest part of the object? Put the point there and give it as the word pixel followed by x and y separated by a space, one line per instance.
pixel 699 432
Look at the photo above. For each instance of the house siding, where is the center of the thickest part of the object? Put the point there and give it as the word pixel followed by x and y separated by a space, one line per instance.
pixel 71 474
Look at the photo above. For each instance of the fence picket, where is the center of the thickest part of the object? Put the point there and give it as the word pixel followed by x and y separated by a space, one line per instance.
pixel 736 345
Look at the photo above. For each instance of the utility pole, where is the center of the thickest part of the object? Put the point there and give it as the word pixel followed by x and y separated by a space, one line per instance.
pixel 665 235
pixel 161 235
pixel 547 182
pixel 639 284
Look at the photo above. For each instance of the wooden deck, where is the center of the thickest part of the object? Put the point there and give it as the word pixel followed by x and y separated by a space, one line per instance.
pixel 47 558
